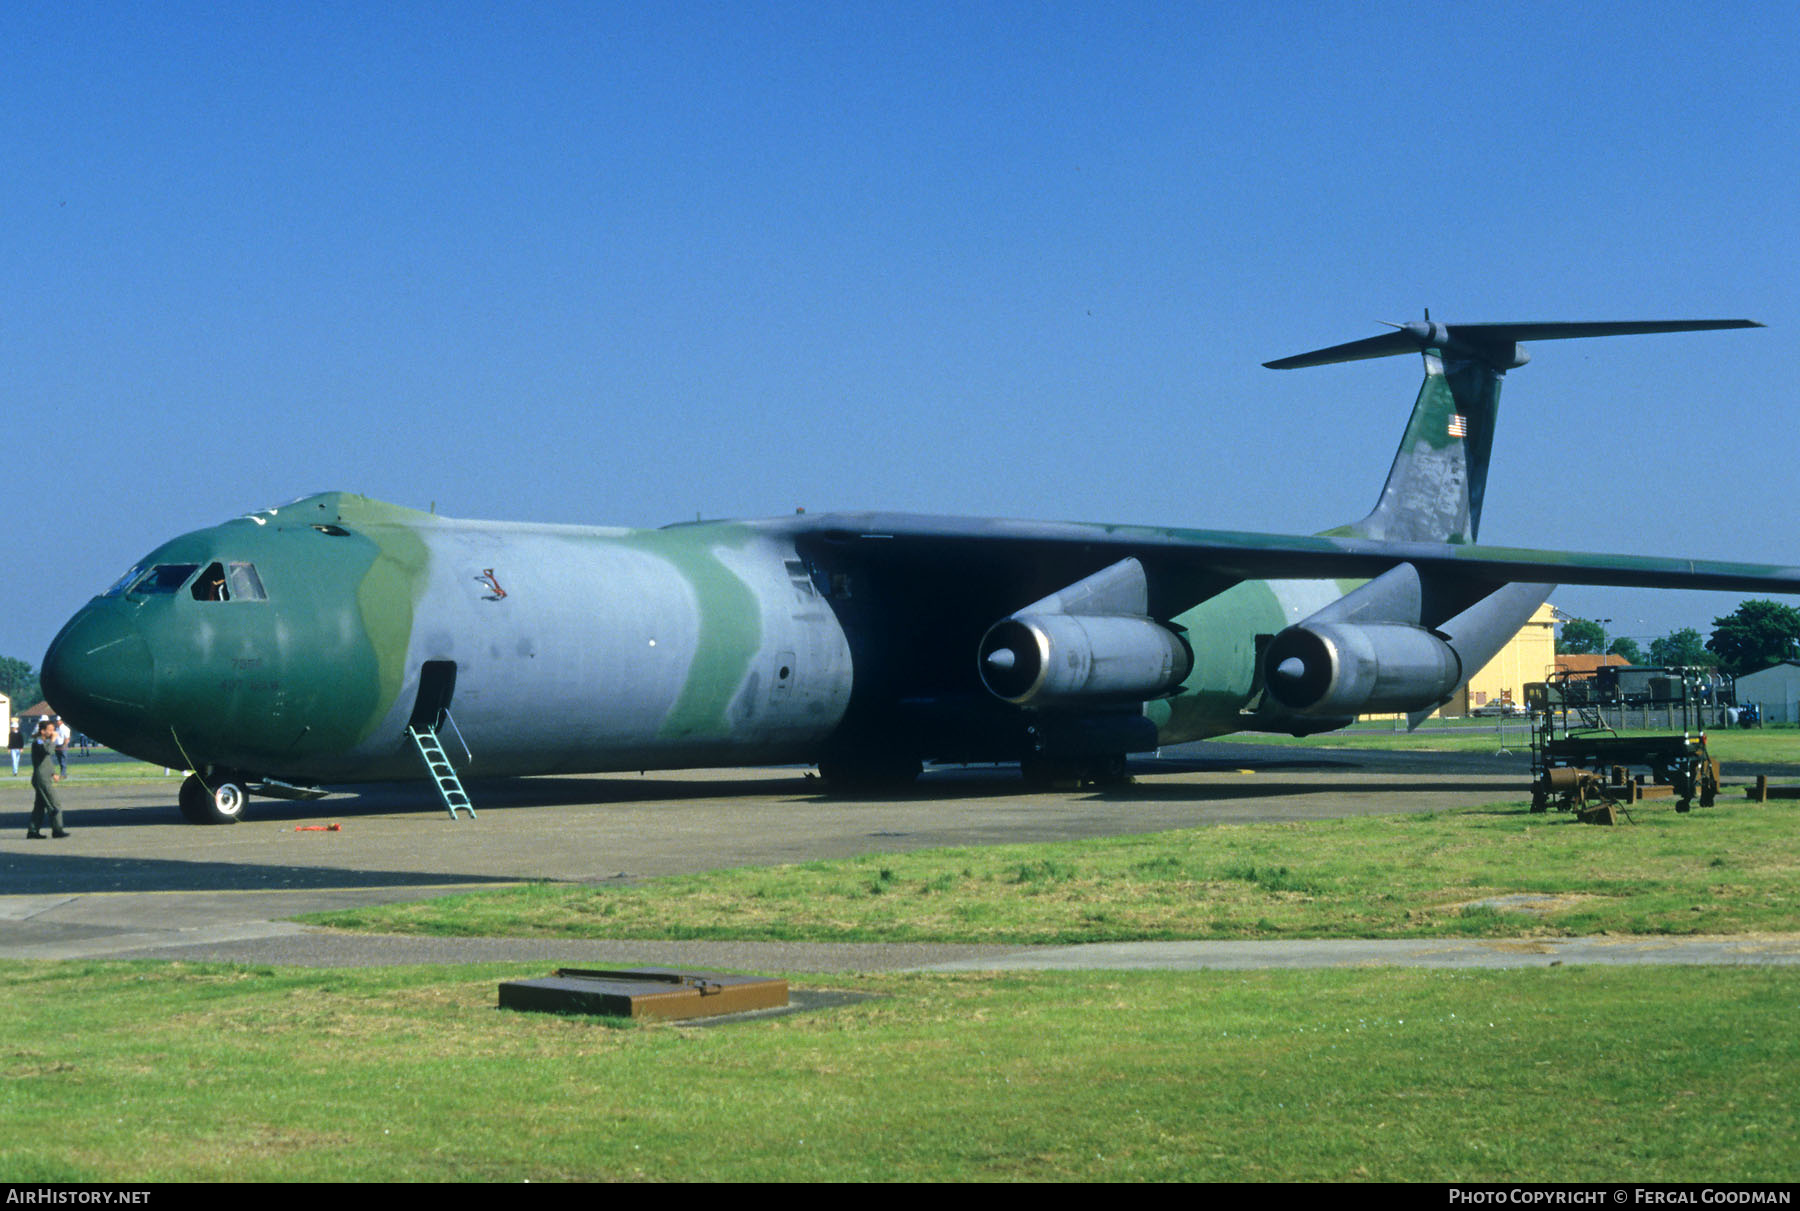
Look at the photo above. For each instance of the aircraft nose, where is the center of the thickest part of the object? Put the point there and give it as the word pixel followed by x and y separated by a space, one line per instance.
pixel 99 674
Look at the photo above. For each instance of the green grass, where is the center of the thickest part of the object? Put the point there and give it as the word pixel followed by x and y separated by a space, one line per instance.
pixel 117 1072
pixel 123 1072
pixel 85 769
pixel 1729 869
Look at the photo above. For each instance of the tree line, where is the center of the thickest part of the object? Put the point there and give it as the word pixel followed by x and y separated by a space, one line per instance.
pixel 1754 636
pixel 19 682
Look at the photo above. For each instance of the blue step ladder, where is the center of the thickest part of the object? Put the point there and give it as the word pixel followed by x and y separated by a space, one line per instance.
pixel 442 773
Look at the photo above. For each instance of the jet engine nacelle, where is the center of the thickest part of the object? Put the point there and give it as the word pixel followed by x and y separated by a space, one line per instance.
pixel 1338 668
pixel 1051 660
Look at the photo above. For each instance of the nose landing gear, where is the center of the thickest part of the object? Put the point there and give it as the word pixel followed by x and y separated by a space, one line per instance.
pixel 221 802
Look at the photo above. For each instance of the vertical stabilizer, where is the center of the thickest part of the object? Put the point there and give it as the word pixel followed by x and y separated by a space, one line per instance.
pixel 1435 488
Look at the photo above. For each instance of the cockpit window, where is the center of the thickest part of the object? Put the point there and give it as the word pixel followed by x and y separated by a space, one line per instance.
pixel 245 584
pixel 124 582
pixel 229 582
pixel 163 579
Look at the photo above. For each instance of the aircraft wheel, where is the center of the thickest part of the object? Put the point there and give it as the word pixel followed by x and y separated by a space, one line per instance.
pixel 193 799
pixel 222 804
pixel 1050 774
pixel 1110 771
pixel 1066 774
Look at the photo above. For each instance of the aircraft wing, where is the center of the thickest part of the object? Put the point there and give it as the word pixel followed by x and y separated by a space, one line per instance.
pixel 1186 566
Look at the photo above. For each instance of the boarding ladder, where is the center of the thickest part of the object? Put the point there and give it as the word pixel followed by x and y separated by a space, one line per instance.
pixel 443 774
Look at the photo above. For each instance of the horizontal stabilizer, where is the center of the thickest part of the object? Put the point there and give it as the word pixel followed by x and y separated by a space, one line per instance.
pixel 1495 344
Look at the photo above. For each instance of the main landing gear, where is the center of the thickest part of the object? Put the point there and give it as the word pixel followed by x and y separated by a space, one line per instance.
pixel 1074 773
pixel 869 771
pixel 221 802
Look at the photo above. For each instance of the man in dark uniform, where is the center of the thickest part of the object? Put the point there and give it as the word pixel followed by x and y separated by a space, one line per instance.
pixel 43 783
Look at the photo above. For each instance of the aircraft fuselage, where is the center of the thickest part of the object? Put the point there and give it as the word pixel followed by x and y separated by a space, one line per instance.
pixel 557 648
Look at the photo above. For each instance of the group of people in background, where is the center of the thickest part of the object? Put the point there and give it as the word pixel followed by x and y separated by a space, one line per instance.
pixel 16 738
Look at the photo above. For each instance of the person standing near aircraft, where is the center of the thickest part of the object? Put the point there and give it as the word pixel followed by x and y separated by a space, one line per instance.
pixel 15 743
pixel 62 748
pixel 43 785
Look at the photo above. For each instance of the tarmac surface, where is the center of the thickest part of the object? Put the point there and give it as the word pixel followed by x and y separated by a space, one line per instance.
pixel 134 881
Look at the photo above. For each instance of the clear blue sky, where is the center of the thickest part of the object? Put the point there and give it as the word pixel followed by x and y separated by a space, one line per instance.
pixel 626 264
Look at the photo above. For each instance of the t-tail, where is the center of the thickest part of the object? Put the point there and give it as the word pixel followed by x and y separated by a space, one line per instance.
pixel 1435 488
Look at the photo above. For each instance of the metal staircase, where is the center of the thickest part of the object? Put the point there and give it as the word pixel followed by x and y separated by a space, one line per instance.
pixel 443 774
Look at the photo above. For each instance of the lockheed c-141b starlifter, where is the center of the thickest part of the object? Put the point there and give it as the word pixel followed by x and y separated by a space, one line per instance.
pixel 340 640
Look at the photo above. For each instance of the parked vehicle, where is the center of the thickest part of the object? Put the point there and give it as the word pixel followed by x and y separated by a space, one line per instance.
pixel 1500 709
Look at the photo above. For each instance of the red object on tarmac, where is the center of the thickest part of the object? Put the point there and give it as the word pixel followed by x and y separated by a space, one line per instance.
pixel 318 828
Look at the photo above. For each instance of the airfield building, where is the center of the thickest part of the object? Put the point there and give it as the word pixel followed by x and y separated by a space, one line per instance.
pixel 1776 690
pixel 1528 656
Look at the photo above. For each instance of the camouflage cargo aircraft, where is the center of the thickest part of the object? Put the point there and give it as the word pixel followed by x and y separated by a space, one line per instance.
pixel 338 639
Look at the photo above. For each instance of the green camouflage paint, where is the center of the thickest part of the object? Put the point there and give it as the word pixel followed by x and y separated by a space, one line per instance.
pixel 386 600
pixel 1222 632
pixel 380 562
pixel 730 623
pixel 1429 426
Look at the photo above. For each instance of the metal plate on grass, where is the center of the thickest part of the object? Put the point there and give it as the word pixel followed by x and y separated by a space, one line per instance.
pixel 650 992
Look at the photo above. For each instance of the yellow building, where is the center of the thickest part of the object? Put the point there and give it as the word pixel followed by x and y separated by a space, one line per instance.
pixel 1528 656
